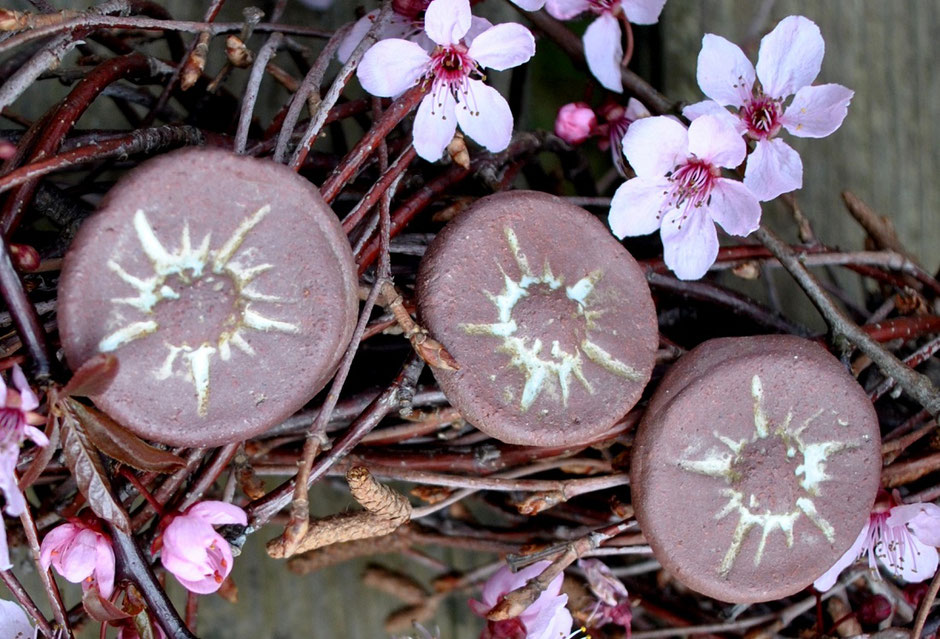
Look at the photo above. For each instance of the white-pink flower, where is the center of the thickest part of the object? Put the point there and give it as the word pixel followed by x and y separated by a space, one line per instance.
pixel 903 539
pixel 81 554
pixel 14 624
pixel 789 60
pixel 17 424
pixel 603 49
pixel 679 190
pixel 618 120
pixel 454 74
pixel 194 552
pixel 546 618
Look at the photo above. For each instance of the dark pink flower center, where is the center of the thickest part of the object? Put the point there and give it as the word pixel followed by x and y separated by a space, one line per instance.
pixel 506 629
pixel 762 116
pixel 690 187
pixel 450 70
pixel 11 426
pixel 604 6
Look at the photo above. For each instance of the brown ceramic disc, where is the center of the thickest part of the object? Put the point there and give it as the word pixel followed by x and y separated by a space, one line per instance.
pixel 755 466
pixel 225 287
pixel 549 317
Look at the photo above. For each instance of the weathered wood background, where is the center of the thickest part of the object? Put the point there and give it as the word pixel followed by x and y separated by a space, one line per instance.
pixel 886 152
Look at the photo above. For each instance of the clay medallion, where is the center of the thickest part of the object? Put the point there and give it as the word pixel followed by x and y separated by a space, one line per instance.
pixel 225 287
pixel 755 466
pixel 548 316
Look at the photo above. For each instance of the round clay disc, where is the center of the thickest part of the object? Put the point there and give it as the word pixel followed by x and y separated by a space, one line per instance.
pixel 225 287
pixel 548 316
pixel 755 467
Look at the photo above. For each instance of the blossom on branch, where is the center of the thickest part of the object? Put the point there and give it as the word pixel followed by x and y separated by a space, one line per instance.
pixel 613 604
pixel 617 120
pixel 546 618
pixel 18 423
pixel 453 72
pixel 603 49
pixel 789 60
pixel 903 539
pixel 81 554
pixel 679 190
pixel 193 551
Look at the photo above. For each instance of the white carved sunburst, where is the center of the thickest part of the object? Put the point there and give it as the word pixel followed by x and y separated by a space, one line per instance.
pixel 190 264
pixel 528 353
pixel 810 474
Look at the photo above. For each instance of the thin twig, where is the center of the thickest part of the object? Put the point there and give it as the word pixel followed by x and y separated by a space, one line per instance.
pixel 918 386
pixel 45 576
pixel 251 90
pixel 925 605
pixel 19 593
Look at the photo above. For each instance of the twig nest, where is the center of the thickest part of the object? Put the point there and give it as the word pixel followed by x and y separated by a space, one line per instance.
pixel 225 287
pixel 755 466
pixel 548 316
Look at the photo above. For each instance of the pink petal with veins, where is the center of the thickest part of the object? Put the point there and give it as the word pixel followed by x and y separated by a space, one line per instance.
pixel 790 56
pixel 636 206
pixel 604 51
pixel 715 140
pixel 817 111
pixel 724 73
pixel 734 207
pixel 504 46
pixel 566 9
pixel 643 11
pixel 435 124
pixel 773 168
pixel 485 117
pixel 654 146
pixel 690 245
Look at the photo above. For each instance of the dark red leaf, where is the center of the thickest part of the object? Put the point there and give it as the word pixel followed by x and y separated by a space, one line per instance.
pixel 93 377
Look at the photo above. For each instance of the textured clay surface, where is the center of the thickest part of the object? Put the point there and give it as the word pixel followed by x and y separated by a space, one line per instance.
pixel 225 287
pixel 549 317
pixel 755 466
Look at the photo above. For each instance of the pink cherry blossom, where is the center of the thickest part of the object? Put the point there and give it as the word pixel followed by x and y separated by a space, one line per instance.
pixel 679 190
pixel 613 604
pixel 81 554
pixel 602 39
pixel 617 120
pixel 903 539
pixel 14 624
pixel 17 424
pixel 789 60
pixel 194 552
pixel 575 122
pixel 454 73
pixel 546 618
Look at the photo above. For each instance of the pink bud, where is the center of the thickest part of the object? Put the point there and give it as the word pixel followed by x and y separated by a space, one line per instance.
pixel 575 122
pixel 875 609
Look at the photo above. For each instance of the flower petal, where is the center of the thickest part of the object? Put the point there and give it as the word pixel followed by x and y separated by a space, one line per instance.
pixel 14 624
pixel 906 557
pixel 185 544
pixel 828 579
pixel 636 110
pixel 28 400
pixel 790 56
pixel 16 503
pixel 204 586
pixel 724 73
pixel 55 541
pixel 77 561
pixel 710 107
pixel 713 138
pixel 218 512
pixel 922 519
pixel 355 35
pixel 654 146
pixel 817 111
pixel 504 46
pixel 636 207
pixel 447 21
pixel 104 566
pixel 690 245
pixel 485 116
pixel 604 51
pixel 391 67
pixel 566 9
pixel 529 5
pixel 478 26
pixel 5 563
pixel 773 168
pixel 435 124
pixel 734 207
pixel 643 11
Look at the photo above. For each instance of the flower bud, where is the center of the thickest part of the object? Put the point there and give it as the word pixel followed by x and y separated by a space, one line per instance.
pixel 575 122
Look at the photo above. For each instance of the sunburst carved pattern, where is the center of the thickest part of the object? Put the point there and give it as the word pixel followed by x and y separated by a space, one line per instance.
pixel 778 449
pixel 187 266
pixel 548 365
